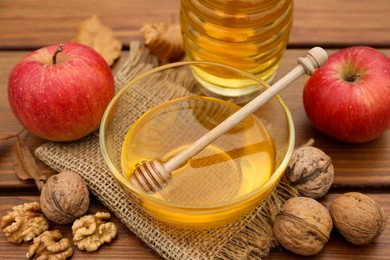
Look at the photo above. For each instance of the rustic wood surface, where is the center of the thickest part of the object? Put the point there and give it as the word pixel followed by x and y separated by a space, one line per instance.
pixel 30 24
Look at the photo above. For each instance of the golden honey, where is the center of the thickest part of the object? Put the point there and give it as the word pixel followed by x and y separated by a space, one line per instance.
pixel 251 35
pixel 230 168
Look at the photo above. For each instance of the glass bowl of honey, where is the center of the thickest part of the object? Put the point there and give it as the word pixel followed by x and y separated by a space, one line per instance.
pixel 220 184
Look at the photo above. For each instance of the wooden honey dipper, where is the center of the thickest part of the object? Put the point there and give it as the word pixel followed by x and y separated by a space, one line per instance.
pixel 152 176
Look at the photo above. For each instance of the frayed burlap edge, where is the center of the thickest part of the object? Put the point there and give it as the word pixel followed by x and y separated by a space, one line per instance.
pixel 248 238
pixel 256 239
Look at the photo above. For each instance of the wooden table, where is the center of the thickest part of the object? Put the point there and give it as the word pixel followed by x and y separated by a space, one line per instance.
pixel 30 24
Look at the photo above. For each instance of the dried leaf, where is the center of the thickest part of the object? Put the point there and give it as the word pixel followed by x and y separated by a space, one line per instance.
pixel 163 40
pixel 101 38
pixel 7 137
pixel 24 163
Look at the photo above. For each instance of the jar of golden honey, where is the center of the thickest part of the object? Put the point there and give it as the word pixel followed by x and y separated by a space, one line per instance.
pixel 251 35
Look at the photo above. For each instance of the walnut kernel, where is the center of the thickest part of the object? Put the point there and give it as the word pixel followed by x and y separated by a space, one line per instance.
pixel 24 223
pixel 50 245
pixel 303 226
pixel 311 171
pixel 358 218
pixel 64 197
pixel 91 231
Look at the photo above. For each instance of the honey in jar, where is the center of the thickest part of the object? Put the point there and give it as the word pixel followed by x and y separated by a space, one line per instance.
pixel 251 35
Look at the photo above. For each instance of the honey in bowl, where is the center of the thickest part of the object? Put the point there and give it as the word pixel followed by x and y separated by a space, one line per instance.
pixel 231 167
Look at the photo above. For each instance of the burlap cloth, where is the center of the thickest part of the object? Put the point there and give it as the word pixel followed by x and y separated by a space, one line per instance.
pixel 248 238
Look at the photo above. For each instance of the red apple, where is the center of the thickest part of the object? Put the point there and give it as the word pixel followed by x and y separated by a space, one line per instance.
pixel 61 94
pixel 348 98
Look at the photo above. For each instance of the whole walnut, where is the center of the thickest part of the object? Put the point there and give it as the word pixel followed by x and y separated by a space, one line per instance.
pixel 358 218
pixel 311 171
pixel 303 226
pixel 64 197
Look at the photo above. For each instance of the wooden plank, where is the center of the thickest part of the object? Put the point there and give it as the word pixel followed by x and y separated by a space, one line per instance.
pixel 32 24
pixel 341 23
pixel 27 24
pixel 356 165
pixel 125 246
pixel 128 246
pixel 9 125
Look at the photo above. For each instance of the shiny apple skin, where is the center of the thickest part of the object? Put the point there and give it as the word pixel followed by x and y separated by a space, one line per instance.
pixel 63 101
pixel 348 98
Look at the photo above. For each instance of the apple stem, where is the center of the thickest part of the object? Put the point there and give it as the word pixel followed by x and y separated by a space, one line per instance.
pixel 59 49
pixel 352 77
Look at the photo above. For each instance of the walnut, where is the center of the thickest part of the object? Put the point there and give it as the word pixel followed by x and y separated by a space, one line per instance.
pixel 50 245
pixel 311 171
pixel 24 223
pixel 163 40
pixel 64 197
pixel 358 218
pixel 303 226
pixel 90 232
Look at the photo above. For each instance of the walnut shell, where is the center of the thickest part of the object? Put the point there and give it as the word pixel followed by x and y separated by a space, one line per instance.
pixel 311 171
pixel 358 218
pixel 64 197
pixel 303 226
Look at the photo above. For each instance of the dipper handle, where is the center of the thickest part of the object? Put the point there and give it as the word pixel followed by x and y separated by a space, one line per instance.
pixel 315 58
pixel 152 176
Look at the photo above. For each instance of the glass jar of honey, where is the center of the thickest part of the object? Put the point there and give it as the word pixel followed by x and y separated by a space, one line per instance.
pixel 251 35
